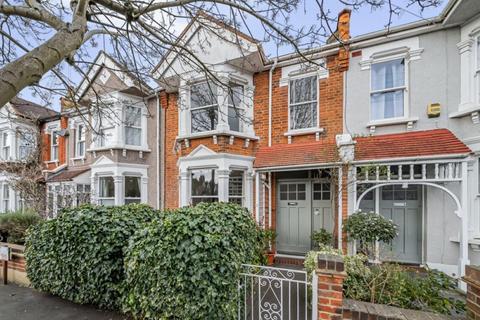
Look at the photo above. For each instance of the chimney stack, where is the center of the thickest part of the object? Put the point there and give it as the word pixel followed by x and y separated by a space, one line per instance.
pixel 343 34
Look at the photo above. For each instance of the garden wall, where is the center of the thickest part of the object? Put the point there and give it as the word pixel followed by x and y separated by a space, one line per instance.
pixel 472 278
pixel 331 305
pixel 16 267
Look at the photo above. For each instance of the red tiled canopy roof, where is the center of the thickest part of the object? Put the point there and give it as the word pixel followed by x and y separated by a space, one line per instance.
pixel 409 144
pixel 281 155
pixel 66 175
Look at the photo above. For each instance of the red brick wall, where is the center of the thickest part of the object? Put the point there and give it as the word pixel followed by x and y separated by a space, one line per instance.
pixel 472 278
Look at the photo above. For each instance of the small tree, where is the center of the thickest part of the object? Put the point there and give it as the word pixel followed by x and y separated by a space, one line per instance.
pixel 368 228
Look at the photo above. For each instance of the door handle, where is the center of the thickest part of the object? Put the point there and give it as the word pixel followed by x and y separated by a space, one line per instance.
pixel 292 203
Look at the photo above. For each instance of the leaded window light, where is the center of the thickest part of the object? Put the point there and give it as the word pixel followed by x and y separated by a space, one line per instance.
pixel 54 146
pixel 303 103
pixel 106 191
pixel 5 144
pixel 204 185
pixel 80 141
pixel 235 187
pixel 133 126
pixel 26 142
pixel 235 107
pixel 387 89
pixel 132 190
pixel 203 107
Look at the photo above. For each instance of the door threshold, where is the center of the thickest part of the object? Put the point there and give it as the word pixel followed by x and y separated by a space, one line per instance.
pixel 291 256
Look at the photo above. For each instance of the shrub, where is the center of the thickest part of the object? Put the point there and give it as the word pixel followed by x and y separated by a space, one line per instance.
pixel 392 284
pixel 14 225
pixel 186 265
pixel 79 255
pixel 322 238
pixel 368 228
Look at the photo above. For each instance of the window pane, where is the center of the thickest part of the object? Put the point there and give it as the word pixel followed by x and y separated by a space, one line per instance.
pixel 235 183
pixel 133 116
pixel 204 182
pixel 388 74
pixel 387 105
pixel 106 187
pixel 204 119
pixel 107 202
pixel 303 116
pixel 203 94
pixel 303 90
pixel 478 53
pixel 132 187
pixel 235 95
pixel 234 118
pixel 196 201
pixel 133 136
pixel 106 136
pixel 127 201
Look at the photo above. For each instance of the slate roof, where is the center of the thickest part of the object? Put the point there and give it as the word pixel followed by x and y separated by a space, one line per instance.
pixel 31 110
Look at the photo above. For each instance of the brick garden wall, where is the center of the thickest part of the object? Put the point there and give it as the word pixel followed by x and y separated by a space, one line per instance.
pixel 472 278
pixel 16 267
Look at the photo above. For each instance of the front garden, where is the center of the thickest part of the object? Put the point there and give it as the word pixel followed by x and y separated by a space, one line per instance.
pixel 185 263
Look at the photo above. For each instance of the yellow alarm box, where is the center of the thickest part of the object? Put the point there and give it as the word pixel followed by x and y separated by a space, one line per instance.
pixel 433 110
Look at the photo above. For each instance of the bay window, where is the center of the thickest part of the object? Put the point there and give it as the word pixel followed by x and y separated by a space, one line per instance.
pixel 132 190
pixel 6 197
pixel 388 90
pixel 106 191
pixel 106 136
pixel 54 146
pixel 303 103
pixel 80 141
pixel 26 142
pixel 133 126
pixel 204 186
pixel 235 187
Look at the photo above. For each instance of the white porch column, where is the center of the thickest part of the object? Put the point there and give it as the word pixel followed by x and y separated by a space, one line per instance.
pixel 257 197
pixel 118 181
pixel 144 190
pixel 183 188
pixel 223 178
pixel 464 234
pixel 340 206
pixel 249 190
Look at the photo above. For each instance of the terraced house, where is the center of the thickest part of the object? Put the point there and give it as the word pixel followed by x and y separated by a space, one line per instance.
pixel 387 121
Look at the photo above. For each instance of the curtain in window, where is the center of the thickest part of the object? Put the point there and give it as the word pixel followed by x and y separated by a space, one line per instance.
pixel 132 190
pixel 303 103
pixel 386 101
pixel 133 124
pixel 386 75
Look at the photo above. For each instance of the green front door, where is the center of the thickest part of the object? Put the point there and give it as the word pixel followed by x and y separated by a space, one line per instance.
pixel 404 207
pixel 294 217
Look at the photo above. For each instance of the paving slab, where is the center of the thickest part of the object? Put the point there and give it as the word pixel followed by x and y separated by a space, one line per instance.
pixel 20 303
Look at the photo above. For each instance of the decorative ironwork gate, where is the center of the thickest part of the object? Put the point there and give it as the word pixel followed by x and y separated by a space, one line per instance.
pixel 276 294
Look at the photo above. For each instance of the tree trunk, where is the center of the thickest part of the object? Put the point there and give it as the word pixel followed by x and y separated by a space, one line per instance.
pixel 30 68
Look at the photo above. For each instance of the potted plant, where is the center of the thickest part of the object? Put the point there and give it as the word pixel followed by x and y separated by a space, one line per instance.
pixel 269 236
pixel 322 238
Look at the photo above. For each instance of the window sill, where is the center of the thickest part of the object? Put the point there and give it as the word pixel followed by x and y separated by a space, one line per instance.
pixel 393 121
pixel 119 147
pixel 235 134
pixel 51 161
pixel 303 132
pixel 79 158
pixel 465 111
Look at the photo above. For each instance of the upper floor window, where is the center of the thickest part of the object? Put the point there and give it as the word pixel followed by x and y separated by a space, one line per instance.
pixel 203 107
pixel 6 197
pixel 132 190
pixel 477 67
pixel 388 90
pixel 236 110
pixel 106 135
pixel 5 145
pixel 26 142
pixel 54 146
pixel 133 126
pixel 204 185
pixel 235 187
pixel 303 103
pixel 80 141
pixel 106 191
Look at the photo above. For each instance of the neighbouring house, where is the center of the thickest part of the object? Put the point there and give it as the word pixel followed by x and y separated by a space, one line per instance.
pixel 20 122
pixel 412 104
pixel 103 148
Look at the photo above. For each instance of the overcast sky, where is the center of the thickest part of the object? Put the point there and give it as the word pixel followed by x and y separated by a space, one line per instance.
pixel 363 21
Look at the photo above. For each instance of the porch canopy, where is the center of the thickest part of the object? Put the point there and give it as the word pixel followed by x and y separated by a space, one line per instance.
pixel 433 158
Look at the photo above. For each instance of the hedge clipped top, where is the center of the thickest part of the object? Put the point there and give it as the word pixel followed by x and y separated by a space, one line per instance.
pixel 186 265
pixel 79 255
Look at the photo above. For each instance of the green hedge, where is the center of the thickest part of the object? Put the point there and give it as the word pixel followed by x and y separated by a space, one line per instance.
pixel 79 255
pixel 186 265
pixel 14 225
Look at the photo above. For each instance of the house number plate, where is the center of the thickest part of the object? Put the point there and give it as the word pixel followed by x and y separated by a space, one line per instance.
pixel 399 204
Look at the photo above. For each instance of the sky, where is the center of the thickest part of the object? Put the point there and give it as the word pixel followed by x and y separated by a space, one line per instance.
pixel 364 20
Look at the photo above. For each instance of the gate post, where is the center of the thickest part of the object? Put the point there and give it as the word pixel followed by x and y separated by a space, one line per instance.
pixel 330 274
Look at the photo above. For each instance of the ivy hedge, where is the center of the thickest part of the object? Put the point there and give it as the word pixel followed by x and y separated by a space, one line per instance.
pixel 186 264
pixel 79 255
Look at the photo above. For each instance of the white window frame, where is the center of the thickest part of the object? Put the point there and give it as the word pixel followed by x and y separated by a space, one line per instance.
pixel 191 109
pixel 125 127
pixel 191 184
pixel 6 200
pixel 405 88
pixel 298 77
pixel 5 144
pixel 21 136
pixel 242 197
pixel 240 108
pixel 100 199
pixel 137 199
pixel 79 141
pixel 54 155
pixel 477 67
pixel 83 192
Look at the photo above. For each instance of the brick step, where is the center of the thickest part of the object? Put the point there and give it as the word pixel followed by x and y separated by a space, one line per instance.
pixel 289 261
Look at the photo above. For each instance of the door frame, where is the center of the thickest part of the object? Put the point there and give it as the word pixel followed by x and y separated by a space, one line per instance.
pixel 309 182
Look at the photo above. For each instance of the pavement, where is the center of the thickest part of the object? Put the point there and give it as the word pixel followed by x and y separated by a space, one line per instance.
pixel 20 303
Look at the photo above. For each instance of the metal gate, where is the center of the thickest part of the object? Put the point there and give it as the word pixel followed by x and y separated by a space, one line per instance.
pixel 276 294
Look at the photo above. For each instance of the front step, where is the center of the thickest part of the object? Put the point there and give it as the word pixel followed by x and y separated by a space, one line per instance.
pixel 289 261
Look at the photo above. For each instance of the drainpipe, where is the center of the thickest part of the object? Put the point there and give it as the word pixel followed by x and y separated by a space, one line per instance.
pixel 158 112
pixel 270 89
